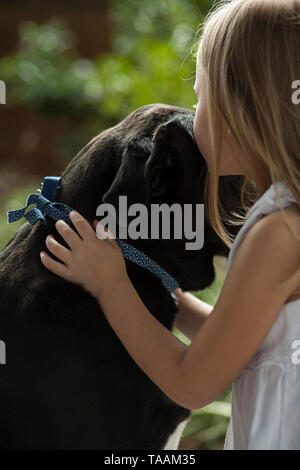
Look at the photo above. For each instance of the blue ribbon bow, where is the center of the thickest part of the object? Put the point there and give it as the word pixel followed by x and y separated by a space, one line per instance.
pixel 59 211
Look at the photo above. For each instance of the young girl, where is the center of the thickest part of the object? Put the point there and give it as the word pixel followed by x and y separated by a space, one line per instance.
pixel 246 123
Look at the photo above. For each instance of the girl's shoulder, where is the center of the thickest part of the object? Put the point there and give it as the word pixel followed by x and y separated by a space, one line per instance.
pixel 292 213
pixel 275 220
pixel 293 216
pixel 274 225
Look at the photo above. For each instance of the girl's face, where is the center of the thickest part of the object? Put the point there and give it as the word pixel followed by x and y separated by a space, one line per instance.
pixel 229 165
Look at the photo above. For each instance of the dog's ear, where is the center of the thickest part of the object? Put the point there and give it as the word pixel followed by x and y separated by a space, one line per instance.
pixel 163 169
pixel 149 168
pixel 130 180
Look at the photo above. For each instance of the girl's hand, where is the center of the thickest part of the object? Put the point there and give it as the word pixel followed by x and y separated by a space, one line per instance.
pixel 96 264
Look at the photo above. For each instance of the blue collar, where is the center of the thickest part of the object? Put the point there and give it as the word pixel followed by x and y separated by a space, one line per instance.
pixel 57 211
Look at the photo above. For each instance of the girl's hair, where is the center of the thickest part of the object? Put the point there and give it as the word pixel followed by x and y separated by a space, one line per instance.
pixel 250 51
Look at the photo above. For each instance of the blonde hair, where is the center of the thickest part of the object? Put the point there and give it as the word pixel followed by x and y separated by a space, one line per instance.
pixel 251 56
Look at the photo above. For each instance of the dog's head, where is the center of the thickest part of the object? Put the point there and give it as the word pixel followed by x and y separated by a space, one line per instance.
pixel 151 157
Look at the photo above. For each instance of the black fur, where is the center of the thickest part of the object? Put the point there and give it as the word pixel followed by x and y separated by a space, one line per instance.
pixel 69 383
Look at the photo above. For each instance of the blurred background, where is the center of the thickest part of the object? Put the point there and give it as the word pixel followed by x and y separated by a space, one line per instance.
pixel 73 69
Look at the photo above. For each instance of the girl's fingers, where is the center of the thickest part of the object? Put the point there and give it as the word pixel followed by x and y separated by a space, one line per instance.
pixel 68 234
pixel 101 233
pixel 57 249
pixel 54 266
pixel 82 226
pixel 105 234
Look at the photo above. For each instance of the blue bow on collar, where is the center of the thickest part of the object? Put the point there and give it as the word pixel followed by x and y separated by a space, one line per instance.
pixel 58 211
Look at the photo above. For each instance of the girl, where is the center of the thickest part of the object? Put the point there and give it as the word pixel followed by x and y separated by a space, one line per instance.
pixel 247 122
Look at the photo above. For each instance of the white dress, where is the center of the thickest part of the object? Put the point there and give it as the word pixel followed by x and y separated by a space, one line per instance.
pixel 266 395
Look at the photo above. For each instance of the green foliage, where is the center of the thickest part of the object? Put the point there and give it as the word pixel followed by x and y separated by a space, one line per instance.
pixel 150 61
pixel 209 424
pixel 45 72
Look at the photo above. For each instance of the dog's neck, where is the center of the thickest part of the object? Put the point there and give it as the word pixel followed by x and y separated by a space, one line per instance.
pixel 58 210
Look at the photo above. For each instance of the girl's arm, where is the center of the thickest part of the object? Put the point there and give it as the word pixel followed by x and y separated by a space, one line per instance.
pixel 257 284
pixel 192 313
pixel 261 278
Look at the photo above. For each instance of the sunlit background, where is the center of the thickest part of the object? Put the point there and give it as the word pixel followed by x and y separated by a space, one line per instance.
pixel 75 68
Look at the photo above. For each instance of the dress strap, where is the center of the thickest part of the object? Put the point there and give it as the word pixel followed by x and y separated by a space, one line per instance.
pixel 266 204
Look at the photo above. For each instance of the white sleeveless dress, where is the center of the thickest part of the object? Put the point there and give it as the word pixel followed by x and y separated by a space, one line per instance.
pixel 266 395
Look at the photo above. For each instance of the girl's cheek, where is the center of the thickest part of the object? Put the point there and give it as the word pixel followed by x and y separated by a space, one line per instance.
pixel 201 134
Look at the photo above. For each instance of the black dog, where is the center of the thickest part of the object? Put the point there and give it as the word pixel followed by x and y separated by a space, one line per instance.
pixel 68 382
